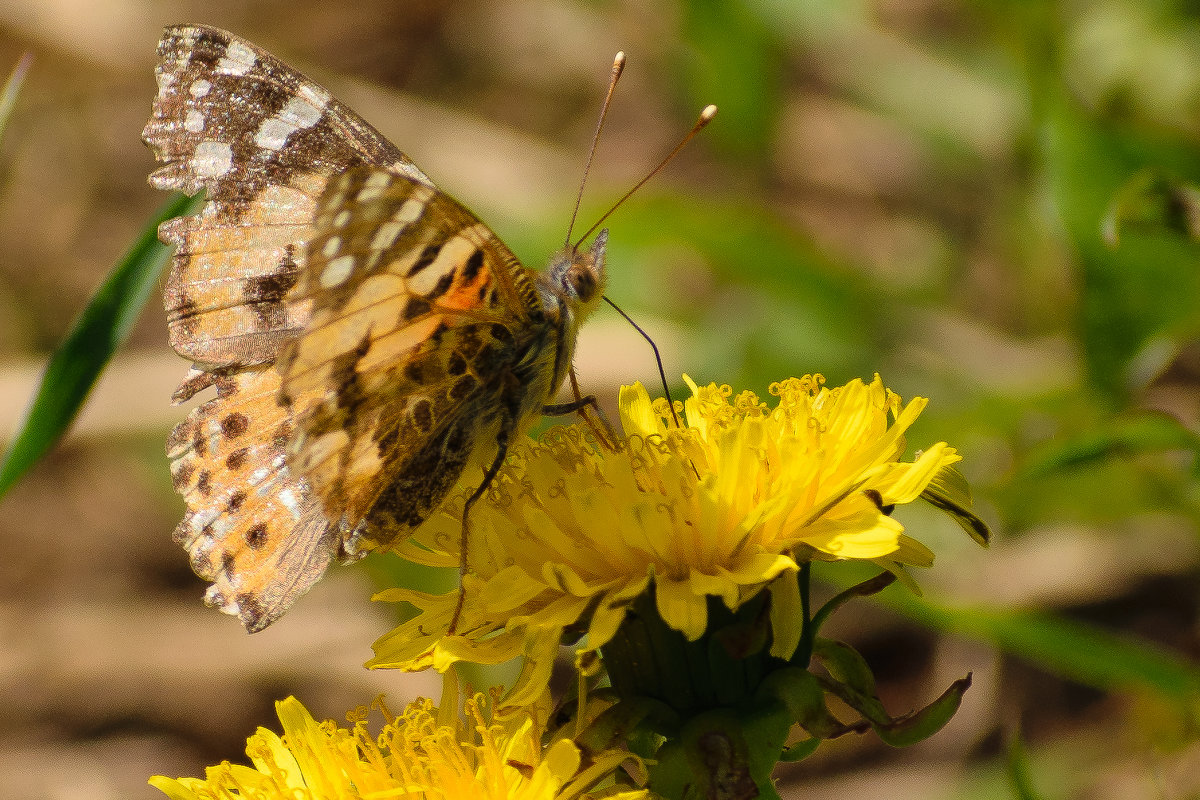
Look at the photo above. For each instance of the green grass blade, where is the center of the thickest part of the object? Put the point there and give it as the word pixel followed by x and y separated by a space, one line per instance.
pixel 1076 650
pixel 1079 651
pixel 96 335
pixel 1130 435
pixel 1020 773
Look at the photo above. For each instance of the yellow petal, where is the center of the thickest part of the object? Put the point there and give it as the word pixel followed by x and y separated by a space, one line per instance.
pixel 787 616
pixel 680 607
pixel 637 412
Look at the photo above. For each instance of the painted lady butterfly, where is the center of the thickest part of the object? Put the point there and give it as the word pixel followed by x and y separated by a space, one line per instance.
pixel 368 338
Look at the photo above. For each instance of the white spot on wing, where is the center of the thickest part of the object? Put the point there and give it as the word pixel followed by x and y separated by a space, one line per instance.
pixel 331 247
pixel 203 518
pixel 238 59
pixel 337 271
pixel 290 502
pixel 298 113
pixel 220 527
pixel 212 159
pixel 199 88
pixel 193 121
pixel 453 254
pixel 386 235
pixel 407 214
pixel 315 95
pixel 217 599
pixel 273 133
pixel 373 187
pixel 303 111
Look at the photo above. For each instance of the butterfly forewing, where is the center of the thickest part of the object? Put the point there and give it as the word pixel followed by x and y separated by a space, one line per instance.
pixel 419 314
pixel 262 141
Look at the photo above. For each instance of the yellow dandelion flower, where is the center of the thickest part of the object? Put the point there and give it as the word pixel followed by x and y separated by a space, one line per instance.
pixel 727 506
pixel 417 756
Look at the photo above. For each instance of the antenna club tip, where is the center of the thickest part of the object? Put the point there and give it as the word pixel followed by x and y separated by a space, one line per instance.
pixel 619 58
pixel 708 113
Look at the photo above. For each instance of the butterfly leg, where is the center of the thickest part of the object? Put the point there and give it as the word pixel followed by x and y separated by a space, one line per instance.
pixel 489 475
pixel 600 427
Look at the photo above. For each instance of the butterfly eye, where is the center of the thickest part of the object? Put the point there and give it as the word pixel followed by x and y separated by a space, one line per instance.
pixel 581 282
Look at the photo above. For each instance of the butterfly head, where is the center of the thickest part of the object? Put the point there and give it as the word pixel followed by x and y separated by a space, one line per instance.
pixel 578 276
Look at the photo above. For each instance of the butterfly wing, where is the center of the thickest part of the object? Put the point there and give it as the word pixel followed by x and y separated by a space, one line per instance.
pixel 263 142
pixel 425 332
pixel 250 527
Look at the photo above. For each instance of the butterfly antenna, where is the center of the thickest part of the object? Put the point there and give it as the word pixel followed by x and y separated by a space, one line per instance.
pixel 617 68
pixel 706 116
pixel 657 358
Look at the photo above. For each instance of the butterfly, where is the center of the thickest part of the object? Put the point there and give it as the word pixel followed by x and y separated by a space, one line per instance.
pixel 369 340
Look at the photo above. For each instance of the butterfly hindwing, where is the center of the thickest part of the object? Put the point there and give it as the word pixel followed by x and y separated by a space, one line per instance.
pixel 251 527
pixel 419 317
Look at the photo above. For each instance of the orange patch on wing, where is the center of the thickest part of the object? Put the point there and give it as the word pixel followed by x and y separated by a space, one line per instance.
pixel 466 296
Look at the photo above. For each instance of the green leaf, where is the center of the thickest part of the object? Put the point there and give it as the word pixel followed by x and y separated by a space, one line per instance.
pixel 920 725
pixel 949 492
pixel 853 682
pixel 765 730
pixel 848 666
pixel 800 750
pixel 801 694
pixel 96 335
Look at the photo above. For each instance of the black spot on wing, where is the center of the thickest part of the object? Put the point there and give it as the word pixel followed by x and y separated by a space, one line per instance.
pixel 237 459
pixel 427 257
pixel 256 536
pixel 441 287
pixel 416 307
pixel 474 263
pixel 461 388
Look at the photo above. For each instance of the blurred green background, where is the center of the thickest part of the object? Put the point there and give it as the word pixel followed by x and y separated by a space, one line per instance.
pixel 989 203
